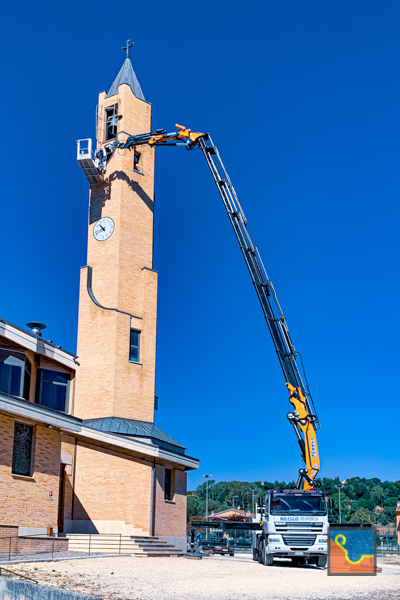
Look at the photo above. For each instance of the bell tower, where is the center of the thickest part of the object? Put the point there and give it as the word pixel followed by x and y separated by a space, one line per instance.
pixel 118 286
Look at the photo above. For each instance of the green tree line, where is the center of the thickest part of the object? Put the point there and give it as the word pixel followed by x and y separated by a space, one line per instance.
pixel 362 500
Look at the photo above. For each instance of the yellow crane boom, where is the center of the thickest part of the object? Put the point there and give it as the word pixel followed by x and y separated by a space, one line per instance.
pixel 303 418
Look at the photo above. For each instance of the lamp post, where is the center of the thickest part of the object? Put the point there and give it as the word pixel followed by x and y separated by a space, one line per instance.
pixel 207 477
pixel 339 487
pixel 252 490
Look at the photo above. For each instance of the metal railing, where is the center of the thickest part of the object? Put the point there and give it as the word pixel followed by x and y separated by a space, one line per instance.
pixel 11 549
pixel 388 549
pixel 9 573
pixel 113 543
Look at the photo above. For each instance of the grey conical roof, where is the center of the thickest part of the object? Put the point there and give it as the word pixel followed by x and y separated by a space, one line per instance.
pixel 126 75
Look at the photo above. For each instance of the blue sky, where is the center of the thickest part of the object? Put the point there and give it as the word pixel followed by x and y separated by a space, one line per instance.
pixel 302 100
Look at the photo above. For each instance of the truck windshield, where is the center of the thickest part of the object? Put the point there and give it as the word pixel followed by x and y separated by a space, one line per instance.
pixel 299 504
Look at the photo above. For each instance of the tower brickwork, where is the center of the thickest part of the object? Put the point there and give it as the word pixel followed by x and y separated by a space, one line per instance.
pixel 108 383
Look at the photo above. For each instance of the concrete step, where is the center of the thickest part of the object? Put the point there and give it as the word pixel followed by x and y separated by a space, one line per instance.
pixel 114 544
pixel 154 546
pixel 117 548
pixel 116 540
pixel 151 543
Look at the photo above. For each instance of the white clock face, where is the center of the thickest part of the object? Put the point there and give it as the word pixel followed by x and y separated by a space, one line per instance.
pixel 103 229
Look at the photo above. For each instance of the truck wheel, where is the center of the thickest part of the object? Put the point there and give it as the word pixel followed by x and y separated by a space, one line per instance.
pixel 267 559
pixel 259 553
pixel 255 555
pixel 321 561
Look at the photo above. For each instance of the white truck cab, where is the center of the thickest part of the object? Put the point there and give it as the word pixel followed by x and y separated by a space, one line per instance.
pixel 294 525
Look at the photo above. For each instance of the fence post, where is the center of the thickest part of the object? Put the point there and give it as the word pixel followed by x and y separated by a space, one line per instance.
pixel 120 539
pixel 52 550
pixel 90 539
pixel 9 551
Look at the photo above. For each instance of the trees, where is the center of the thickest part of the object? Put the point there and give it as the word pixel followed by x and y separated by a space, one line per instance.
pixel 361 515
pixel 362 500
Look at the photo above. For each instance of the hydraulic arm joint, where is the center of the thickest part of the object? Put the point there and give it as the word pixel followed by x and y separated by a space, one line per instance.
pixel 161 137
pixel 303 424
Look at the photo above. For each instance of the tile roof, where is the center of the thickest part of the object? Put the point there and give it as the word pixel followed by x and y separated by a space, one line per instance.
pixel 132 427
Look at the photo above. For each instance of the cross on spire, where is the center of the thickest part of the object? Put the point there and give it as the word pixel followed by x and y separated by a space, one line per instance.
pixel 128 45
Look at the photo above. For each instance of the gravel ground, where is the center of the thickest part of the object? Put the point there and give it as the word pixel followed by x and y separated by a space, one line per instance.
pixel 214 578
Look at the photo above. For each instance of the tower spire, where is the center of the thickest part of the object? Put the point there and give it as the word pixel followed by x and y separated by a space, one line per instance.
pixel 127 75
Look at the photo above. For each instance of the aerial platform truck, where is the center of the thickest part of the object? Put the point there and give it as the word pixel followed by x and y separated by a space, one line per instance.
pixel 291 523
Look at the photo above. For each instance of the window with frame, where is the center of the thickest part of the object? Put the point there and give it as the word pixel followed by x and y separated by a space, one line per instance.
pixel 168 484
pixel 137 166
pixel 15 374
pixel 134 348
pixel 111 122
pixel 52 389
pixel 22 450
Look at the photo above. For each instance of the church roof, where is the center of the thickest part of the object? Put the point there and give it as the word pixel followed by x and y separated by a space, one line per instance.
pixel 126 75
pixel 132 427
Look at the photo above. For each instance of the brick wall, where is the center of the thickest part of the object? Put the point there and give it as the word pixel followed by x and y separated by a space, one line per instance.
pixel 26 501
pixel 171 516
pixel 8 530
pixel 112 486
pixel 20 545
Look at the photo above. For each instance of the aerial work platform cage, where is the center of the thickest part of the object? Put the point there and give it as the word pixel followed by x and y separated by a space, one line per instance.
pixel 86 160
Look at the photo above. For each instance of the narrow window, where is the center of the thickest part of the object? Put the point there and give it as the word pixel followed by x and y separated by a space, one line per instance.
pixel 137 162
pixel 52 389
pixel 12 367
pixel 27 379
pixel 167 485
pixel 134 346
pixel 22 451
pixel 111 122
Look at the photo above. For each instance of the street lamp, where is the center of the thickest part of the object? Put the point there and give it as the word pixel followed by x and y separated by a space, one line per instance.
pixel 252 490
pixel 207 477
pixel 339 487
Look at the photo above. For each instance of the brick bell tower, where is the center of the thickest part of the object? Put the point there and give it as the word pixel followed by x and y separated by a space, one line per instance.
pixel 118 287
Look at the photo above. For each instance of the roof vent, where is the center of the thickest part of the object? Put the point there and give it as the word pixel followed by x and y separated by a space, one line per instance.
pixel 36 327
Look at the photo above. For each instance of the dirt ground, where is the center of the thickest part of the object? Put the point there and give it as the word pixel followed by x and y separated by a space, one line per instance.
pixel 213 578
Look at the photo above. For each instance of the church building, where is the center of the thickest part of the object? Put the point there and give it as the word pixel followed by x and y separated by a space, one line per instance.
pixel 79 450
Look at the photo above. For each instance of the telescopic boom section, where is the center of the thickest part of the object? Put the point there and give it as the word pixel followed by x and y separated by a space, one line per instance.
pixel 303 418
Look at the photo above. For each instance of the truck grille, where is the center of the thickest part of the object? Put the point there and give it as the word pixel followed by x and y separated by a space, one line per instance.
pixel 299 540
